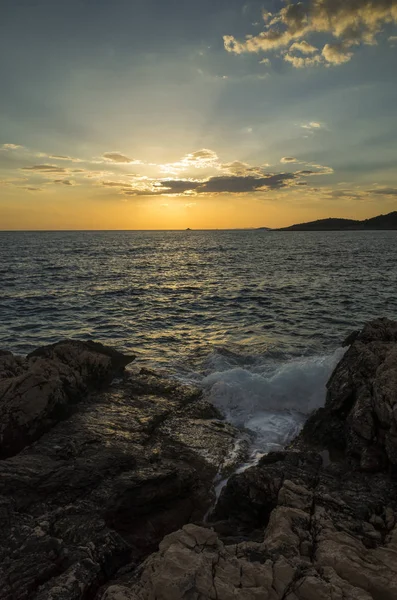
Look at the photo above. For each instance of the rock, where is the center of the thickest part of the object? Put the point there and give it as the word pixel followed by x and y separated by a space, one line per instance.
pixel 38 391
pixel 314 522
pixel 83 507
pixel 101 485
pixel 360 414
pixel 317 539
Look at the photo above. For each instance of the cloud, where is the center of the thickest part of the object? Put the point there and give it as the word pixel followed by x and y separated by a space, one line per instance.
pixel 288 159
pixel 31 189
pixel 392 40
pixel 200 159
pixel 190 205
pixel 312 125
pixel 45 169
pixel 64 181
pixel 300 63
pixel 115 184
pixel 11 147
pixel 349 22
pixel 61 157
pixel 117 157
pixel 232 184
pixel 265 61
pixel 336 54
pixel 319 170
pixel 303 47
pixel 386 191
pixel 238 167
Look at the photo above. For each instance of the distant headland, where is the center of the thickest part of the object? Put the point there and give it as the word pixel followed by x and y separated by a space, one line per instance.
pixel 381 222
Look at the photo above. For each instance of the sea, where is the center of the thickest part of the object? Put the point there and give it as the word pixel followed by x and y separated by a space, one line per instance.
pixel 255 318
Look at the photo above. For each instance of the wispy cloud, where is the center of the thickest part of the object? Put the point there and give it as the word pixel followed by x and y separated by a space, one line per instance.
pixel 31 189
pixel 45 169
pixel 312 125
pixel 68 158
pixel 200 159
pixel 198 172
pixel 115 184
pixel 11 147
pixel 117 157
pixel 68 182
pixel 386 191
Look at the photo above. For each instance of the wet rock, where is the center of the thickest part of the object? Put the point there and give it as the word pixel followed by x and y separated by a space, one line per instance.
pixel 320 534
pixel 38 391
pixel 104 483
pixel 82 507
pixel 360 414
pixel 314 522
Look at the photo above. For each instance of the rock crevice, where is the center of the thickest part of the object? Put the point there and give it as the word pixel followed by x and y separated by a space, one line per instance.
pixel 106 501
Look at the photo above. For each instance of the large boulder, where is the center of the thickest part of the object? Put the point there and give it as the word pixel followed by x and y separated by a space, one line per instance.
pixel 360 414
pixel 39 390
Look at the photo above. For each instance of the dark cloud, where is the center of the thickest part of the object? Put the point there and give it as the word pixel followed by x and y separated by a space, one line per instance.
pixel 64 181
pixel 45 169
pixel 218 185
pixel 289 159
pixel 177 186
pixel 249 183
pixel 120 184
pixel 386 192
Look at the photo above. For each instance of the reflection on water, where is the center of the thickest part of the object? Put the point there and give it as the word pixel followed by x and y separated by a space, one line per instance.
pixel 176 295
pixel 255 318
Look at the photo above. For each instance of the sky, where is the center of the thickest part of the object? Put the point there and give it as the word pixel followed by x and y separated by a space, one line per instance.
pixel 154 114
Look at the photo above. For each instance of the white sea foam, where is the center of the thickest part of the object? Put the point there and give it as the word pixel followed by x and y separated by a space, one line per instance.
pixel 271 400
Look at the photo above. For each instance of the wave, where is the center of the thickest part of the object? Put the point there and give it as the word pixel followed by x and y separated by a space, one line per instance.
pixel 271 400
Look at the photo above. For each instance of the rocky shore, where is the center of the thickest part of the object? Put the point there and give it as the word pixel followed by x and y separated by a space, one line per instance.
pixel 106 477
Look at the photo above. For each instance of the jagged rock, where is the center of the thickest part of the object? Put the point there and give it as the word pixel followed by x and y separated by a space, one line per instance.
pixel 320 535
pixel 104 484
pixel 82 506
pixel 38 391
pixel 314 522
pixel 360 414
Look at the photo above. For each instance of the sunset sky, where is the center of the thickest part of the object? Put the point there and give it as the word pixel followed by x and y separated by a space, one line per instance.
pixel 155 114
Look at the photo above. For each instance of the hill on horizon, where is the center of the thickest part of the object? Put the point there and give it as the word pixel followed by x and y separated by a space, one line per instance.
pixel 381 222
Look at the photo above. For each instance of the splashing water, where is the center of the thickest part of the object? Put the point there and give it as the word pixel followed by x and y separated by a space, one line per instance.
pixel 271 401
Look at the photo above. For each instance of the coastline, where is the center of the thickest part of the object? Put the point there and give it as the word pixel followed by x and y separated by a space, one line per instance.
pixel 98 465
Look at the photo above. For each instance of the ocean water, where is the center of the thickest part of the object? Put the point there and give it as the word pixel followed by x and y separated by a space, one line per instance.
pixel 256 318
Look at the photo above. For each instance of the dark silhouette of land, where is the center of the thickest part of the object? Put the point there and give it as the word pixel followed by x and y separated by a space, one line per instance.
pixel 381 222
